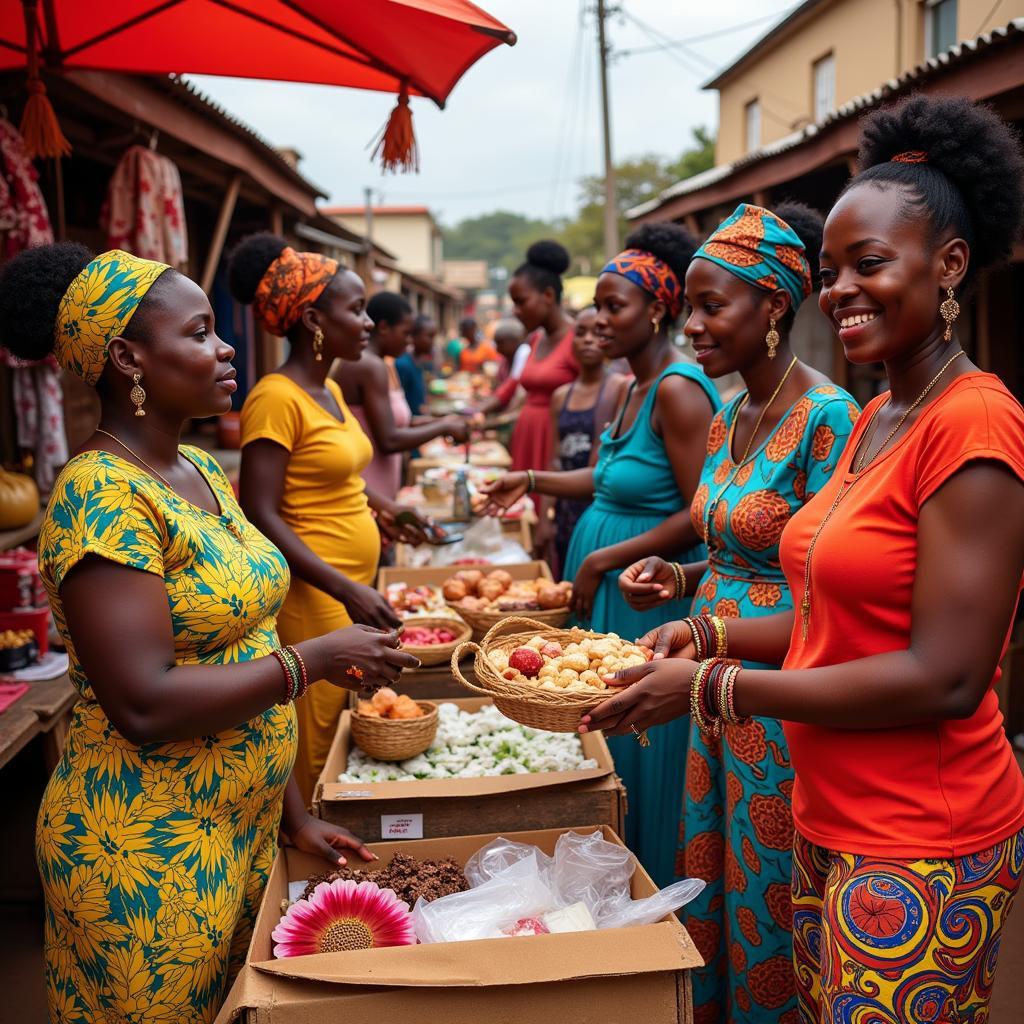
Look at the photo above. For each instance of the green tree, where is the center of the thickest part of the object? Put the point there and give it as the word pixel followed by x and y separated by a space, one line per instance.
pixel 636 181
pixel 501 238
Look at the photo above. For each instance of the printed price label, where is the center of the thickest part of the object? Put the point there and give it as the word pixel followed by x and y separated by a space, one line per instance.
pixel 401 826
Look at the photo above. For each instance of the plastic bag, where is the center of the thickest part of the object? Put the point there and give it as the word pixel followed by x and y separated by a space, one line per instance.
pixel 514 883
pixel 499 855
pixel 483 538
pixel 487 911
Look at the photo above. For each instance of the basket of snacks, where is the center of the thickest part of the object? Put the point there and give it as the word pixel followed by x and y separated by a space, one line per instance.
pixel 542 677
pixel 390 727
pixel 484 599
pixel 433 638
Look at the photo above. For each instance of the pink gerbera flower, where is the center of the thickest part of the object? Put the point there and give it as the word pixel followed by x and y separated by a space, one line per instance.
pixel 343 915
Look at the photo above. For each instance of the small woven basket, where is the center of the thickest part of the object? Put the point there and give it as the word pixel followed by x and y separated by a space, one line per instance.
pixel 437 654
pixel 483 622
pixel 395 739
pixel 551 710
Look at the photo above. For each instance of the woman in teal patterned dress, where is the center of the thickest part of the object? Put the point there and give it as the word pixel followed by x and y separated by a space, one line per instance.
pixel 159 825
pixel 768 451
pixel 646 474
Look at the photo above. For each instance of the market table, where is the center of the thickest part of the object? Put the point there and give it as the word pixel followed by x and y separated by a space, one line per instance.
pixel 51 700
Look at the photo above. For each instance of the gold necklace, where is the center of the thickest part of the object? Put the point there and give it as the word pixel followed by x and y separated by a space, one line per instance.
pixel 114 437
pixel 844 489
pixel 712 505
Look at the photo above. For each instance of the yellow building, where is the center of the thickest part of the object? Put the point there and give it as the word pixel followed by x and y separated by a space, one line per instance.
pixel 827 52
pixel 790 107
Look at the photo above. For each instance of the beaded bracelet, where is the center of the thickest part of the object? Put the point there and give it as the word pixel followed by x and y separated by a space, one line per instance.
pixel 302 667
pixel 698 701
pixel 292 676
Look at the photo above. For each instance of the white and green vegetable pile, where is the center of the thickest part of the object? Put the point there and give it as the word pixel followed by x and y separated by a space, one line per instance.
pixel 472 744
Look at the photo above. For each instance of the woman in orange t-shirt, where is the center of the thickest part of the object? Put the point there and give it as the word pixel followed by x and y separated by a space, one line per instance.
pixel 908 803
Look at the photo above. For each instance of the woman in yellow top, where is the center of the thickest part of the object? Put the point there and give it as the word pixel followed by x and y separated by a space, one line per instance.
pixel 159 825
pixel 302 456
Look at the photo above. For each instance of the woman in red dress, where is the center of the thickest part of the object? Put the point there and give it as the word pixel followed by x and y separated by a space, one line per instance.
pixel 536 293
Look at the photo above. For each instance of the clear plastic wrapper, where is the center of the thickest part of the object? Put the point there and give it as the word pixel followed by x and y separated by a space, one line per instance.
pixel 514 885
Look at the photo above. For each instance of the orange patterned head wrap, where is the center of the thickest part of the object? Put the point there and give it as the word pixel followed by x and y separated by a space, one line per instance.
pixel 294 281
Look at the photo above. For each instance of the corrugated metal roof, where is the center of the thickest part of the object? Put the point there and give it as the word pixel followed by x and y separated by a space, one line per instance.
pixel 956 55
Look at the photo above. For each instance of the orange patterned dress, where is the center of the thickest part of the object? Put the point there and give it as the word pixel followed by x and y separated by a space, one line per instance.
pixel 737 826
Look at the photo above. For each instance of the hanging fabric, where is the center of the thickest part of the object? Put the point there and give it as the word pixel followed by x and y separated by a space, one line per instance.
pixel 36 391
pixel 23 217
pixel 144 212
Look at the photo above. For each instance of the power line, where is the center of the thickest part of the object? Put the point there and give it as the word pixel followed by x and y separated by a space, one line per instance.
pixel 570 104
pixel 706 35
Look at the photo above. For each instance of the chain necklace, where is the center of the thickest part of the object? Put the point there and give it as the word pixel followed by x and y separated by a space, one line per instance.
pixel 844 489
pixel 114 437
pixel 713 505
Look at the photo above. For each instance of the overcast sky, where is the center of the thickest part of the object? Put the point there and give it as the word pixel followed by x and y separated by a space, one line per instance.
pixel 523 123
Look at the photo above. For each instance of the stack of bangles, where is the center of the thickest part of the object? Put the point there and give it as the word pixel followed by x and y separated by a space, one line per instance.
pixel 296 681
pixel 709 637
pixel 680 575
pixel 711 695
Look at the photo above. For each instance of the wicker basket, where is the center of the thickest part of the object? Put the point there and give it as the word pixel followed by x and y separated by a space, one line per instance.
pixel 437 654
pixel 484 622
pixel 395 739
pixel 551 710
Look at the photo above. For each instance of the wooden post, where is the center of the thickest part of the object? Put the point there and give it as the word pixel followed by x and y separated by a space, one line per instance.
pixel 220 232
pixel 277 221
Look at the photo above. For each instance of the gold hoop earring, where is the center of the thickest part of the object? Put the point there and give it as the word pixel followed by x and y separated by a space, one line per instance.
pixel 138 395
pixel 318 345
pixel 772 339
pixel 949 310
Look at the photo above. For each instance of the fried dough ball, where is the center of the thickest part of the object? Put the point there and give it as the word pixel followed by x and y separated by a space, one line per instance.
pixel 384 700
pixel 454 590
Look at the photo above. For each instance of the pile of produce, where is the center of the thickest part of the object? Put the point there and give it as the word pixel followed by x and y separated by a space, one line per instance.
pixel 409 878
pixel 426 636
pixel 577 667
pixel 497 591
pixel 409 601
pixel 473 744
pixel 385 703
pixel 18 648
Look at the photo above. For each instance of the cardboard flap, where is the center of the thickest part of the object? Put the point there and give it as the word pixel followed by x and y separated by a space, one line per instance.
pixel 515 961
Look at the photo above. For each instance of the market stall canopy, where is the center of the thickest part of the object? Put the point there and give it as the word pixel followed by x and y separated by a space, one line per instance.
pixel 407 46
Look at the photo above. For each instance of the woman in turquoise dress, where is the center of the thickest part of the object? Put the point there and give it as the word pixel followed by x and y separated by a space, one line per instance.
pixel 646 473
pixel 768 451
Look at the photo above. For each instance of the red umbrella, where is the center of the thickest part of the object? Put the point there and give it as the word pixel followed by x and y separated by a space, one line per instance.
pixel 406 46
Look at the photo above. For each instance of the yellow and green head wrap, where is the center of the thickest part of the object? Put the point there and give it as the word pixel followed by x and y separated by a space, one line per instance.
pixel 97 307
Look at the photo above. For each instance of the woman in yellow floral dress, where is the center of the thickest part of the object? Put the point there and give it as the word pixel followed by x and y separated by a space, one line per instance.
pixel 158 827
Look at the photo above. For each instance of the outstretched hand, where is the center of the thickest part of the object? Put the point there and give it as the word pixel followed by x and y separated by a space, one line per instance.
pixel 653 694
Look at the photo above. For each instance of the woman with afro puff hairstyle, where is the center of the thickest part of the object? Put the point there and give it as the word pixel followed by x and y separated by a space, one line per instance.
pixel 645 475
pixel 769 450
pixel 536 293
pixel 905 570
pixel 302 455
pixel 160 822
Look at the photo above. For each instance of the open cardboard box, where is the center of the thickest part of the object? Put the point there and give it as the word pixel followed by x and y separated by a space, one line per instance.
pixel 602 977
pixel 455 807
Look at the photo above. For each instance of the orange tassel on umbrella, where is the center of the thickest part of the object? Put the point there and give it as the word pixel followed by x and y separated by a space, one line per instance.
pixel 396 142
pixel 39 126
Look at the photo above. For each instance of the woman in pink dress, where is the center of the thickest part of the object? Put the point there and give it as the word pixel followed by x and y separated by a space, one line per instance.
pixel 536 293
pixel 375 397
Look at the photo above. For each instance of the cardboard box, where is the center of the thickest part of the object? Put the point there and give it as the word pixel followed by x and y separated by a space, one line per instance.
pixel 619 976
pixel 456 807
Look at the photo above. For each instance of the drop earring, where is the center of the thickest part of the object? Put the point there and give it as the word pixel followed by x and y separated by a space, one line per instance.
pixel 772 339
pixel 656 325
pixel 949 311
pixel 318 345
pixel 138 394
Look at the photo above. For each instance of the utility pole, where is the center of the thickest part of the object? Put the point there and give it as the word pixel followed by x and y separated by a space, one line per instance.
pixel 611 207
pixel 368 214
